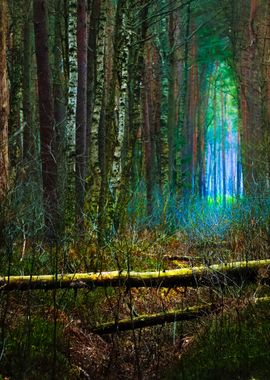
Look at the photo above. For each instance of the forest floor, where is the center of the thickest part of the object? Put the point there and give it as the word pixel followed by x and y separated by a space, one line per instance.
pixel 50 332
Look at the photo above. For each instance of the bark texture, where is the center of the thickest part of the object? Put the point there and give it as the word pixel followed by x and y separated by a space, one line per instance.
pixel 46 118
pixel 143 321
pixel 81 110
pixel 241 272
pixel 4 101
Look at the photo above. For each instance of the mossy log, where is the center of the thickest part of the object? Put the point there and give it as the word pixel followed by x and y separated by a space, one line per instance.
pixel 155 319
pixel 218 274
pixel 149 320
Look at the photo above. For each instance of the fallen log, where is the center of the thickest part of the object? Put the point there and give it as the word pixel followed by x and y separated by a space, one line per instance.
pixel 218 274
pixel 185 258
pixel 154 319
pixel 147 320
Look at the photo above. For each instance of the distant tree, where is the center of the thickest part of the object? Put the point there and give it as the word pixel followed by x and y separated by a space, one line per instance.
pixel 223 146
pixel 215 137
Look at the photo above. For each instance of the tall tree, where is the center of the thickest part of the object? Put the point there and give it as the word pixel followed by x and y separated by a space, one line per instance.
pixel 46 118
pixel 215 138
pixel 100 67
pixel 81 109
pixel 223 146
pixel 175 68
pixel 92 75
pixel 15 79
pixel 131 110
pixel 60 97
pixel 4 101
pixel 28 85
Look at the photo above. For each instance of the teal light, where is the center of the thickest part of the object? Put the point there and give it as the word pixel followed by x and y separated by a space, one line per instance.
pixel 224 179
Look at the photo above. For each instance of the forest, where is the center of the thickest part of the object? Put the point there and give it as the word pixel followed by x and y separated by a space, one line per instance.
pixel 134 189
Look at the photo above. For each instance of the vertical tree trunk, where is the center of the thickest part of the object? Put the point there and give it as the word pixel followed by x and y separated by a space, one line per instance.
pixel 232 166
pixel 107 122
pixel 60 93
pixel 193 110
pixel 92 75
pixel 147 130
pixel 4 101
pixel 239 165
pixel 15 78
pixel 132 138
pixel 27 86
pixel 223 147
pixel 157 89
pixel 46 119
pixel 94 170
pixel 215 142
pixel 71 68
pixel 249 64
pixel 204 89
pixel 173 124
pixel 59 83
pixel 118 98
pixel 185 103
pixel 81 110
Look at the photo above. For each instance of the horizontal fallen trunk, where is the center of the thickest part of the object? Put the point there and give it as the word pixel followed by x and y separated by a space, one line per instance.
pixel 147 320
pixel 218 274
pixel 187 259
pixel 155 319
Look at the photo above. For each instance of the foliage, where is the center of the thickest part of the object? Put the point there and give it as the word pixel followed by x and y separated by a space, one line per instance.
pixel 234 346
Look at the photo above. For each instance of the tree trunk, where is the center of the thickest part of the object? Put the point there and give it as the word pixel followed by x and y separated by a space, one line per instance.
pixel 223 146
pixel 4 114
pixel 94 167
pixel 60 94
pixel 193 110
pixel 204 88
pixel 173 102
pixel 147 128
pixel 4 101
pixel 91 77
pixel 184 114
pixel 46 119
pixel 215 141
pixel 157 91
pixel 146 320
pixel 81 110
pixel 187 314
pixel 107 124
pixel 15 78
pixel 229 274
pixel 28 95
pixel 132 138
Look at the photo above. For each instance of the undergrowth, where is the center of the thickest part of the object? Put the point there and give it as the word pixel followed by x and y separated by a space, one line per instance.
pixel 53 329
pixel 233 346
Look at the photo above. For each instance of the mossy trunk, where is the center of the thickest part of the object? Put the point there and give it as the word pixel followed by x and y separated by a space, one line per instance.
pixel 240 272
pixel 147 320
pixel 186 314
